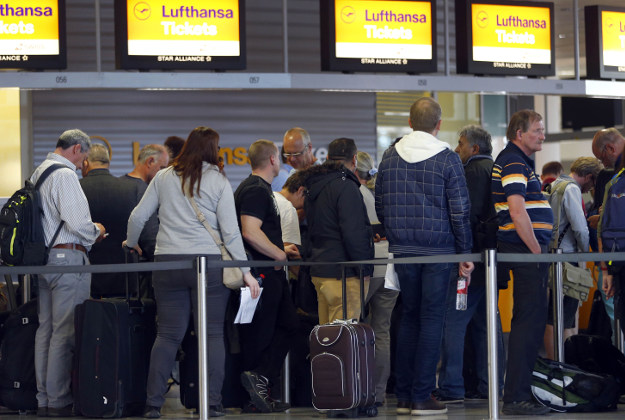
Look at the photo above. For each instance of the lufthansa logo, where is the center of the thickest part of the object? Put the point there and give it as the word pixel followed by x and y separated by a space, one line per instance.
pixel 482 19
pixel 348 14
pixel 142 10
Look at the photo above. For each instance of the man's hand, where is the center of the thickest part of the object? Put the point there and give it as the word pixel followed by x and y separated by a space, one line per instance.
pixel 523 223
pixel 465 269
pixel 593 221
pixel 292 252
pixel 102 231
pixel 608 285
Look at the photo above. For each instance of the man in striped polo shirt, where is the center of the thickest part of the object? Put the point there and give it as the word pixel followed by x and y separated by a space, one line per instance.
pixel 525 224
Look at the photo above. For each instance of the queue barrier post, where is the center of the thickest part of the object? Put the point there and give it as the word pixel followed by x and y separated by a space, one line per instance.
pixel 490 258
pixel 618 335
pixel 203 403
pixel 557 297
pixel 286 367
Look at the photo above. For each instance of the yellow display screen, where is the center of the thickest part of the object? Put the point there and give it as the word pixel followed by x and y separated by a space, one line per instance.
pixel 613 37
pixel 383 29
pixel 374 35
pixel 179 27
pixel 180 33
pixel 511 35
pixel 30 30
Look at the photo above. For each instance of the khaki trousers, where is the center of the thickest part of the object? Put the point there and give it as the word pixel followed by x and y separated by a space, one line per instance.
pixel 329 295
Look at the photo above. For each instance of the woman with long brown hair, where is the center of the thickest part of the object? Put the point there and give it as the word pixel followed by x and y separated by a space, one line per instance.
pixel 195 173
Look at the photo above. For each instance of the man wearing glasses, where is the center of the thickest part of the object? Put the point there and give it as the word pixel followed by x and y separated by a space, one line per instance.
pixel 298 149
pixel 607 146
pixel 525 226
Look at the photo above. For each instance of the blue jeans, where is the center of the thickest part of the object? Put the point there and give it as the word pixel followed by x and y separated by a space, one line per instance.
pixel 424 290
pixel 450 379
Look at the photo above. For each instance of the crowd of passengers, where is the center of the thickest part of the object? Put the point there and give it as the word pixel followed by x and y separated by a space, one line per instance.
pixel 423 199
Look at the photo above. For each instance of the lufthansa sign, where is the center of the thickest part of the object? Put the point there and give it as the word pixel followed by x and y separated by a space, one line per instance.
pixel 383 29
pixel 176 30
pixel 613 36
pixel 28 28
pixel 511 34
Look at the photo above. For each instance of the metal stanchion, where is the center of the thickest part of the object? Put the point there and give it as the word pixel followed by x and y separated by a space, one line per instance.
pixel 286 369
pixel 618 335
pixel 201 339
pixel 286 379
pixel 490 257
pixel 344 291
pixel 558 309
pixel 26 288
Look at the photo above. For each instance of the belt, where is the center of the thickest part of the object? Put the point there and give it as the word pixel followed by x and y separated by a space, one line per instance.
pixel 77 247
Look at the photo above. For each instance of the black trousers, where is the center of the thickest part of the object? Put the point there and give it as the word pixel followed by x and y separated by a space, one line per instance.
pixel 529 317
pixel 266 341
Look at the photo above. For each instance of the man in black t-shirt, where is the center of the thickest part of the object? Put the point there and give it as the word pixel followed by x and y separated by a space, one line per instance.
pixel 264 342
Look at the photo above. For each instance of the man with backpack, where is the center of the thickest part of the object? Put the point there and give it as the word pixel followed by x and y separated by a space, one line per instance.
pixel 608 146
pixel 66 211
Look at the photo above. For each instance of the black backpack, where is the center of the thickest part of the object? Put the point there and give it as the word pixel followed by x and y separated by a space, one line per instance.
pixel 22 240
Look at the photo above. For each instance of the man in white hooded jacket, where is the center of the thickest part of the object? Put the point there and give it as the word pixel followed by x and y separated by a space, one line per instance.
pixel 422 200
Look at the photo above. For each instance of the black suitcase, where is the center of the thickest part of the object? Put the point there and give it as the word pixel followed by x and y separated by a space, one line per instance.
pixel 18 386
pixel 116 337
pixel 342 362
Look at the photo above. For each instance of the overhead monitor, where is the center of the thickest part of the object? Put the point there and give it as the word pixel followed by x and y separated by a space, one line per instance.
pixel 180 35
pixel 378 36
pixel 32 34
pixel 505 38
pixel 605 42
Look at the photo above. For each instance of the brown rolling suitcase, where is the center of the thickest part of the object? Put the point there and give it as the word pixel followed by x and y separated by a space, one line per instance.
pixel 342 363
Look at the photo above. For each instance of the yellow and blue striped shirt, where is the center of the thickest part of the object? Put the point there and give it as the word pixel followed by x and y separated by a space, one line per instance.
pixel 512 174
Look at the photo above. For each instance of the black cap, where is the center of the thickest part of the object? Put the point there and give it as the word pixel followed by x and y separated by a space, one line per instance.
pixel 342 149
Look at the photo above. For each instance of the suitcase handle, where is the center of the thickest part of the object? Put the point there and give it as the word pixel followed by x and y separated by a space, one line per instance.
pixel 131 255
pixel 344 293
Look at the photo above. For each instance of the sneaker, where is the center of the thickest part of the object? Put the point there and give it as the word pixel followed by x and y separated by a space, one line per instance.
pixel 216 411
pixel 428 408
pixel 67 411
pixel 258 388
pixel 279 406
pixel 151 412
pixel 403 407
pixel 524 408
pixel 250 408
pixel 436 394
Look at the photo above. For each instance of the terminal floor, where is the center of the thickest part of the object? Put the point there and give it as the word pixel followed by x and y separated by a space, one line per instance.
pixel 172 410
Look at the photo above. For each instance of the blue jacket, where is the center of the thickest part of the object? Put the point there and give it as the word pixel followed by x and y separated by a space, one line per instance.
pixel 421 198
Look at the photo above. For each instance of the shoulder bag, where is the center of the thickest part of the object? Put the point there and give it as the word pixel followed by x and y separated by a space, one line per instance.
pixel 232 276
pixel 576 281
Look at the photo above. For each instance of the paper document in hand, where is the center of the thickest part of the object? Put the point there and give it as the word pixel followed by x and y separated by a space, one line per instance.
pixel 247 307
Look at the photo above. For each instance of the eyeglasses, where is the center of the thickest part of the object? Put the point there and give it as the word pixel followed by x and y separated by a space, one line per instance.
pixel 294 155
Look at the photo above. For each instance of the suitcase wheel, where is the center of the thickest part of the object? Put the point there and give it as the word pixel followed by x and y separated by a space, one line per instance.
pixel 372 411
